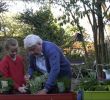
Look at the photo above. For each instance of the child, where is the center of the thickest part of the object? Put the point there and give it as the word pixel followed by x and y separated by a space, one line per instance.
pixel 12 66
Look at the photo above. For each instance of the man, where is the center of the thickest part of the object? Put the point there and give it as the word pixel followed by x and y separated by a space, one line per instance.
pixel 47 57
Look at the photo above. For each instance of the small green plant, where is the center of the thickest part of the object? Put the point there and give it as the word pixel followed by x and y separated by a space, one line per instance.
pixel 64 83
pixel 6 85
pixel 37 82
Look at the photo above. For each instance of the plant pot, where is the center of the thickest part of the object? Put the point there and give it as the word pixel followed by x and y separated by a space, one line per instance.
pixel 97 95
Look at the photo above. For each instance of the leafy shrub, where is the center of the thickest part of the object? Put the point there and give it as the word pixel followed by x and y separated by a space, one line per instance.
pixel 37 82
pixel 6 85
pixel 92 84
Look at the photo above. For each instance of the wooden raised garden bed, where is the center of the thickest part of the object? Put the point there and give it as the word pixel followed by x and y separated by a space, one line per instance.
pixel 65 96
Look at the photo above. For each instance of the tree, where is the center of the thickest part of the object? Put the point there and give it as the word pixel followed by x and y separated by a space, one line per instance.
pixel 98 15
pixel 93 8
pixel 44 24
pixel 3 8
pixel 14 28
pixel 96 9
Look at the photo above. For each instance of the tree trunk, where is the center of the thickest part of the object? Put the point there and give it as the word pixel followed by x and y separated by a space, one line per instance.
pixel 100 40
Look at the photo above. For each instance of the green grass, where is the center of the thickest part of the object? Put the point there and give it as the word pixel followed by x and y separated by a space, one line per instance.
pixel 97 95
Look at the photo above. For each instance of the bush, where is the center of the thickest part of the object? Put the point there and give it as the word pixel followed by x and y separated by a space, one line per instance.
pixel 92 84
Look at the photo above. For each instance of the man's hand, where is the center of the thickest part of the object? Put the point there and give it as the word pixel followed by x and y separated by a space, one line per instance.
pixel 43 91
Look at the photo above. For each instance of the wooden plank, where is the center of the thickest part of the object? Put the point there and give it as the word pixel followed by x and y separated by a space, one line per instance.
pixel 65 96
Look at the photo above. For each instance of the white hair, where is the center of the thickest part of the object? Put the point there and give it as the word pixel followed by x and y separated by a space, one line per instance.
pixel 31 40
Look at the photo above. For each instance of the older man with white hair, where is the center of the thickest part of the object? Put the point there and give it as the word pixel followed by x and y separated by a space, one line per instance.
pixel 47 57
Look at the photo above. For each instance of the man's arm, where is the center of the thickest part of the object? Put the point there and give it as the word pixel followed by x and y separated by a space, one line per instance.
pixel 54 60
